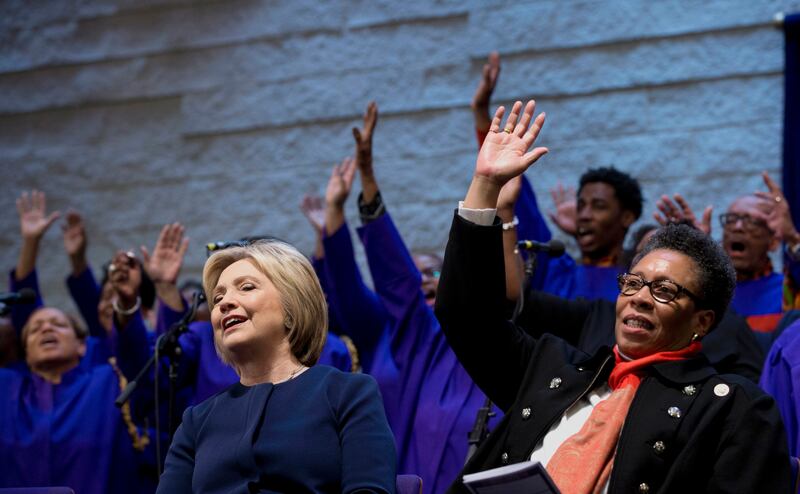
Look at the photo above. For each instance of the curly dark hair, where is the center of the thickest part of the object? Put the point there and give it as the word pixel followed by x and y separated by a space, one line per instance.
pixel 626 188
pixel 714 269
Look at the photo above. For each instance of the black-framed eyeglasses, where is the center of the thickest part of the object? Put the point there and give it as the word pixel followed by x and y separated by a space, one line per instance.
pixel 728 220
pixel 664 291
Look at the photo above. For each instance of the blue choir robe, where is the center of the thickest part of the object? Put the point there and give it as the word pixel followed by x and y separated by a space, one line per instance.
pixel 67 434
pixel 760 301
pixel 561 276
pixel 430 400
pixel 781 379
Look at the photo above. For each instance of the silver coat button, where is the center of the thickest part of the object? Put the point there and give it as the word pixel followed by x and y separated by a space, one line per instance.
pixel 721 390
pixel 555 382
pixel 504 458
pixel 690 390
pixel 526 413
pixel 674 412
pixel 644 488
pixel 581 369
pixel 659 447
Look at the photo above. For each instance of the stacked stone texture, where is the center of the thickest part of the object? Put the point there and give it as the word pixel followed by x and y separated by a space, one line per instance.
pixel 222 114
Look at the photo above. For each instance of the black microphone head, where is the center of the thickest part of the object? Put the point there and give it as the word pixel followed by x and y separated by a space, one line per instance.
pixel 557 248
pixel 26 296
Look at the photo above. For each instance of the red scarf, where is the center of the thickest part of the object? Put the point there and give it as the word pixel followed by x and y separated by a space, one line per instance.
pixel 583 462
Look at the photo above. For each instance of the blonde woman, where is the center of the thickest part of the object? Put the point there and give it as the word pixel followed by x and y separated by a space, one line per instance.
pixel 287 425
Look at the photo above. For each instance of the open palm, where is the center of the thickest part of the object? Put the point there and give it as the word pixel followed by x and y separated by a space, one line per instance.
pixel 164 264
pixel 504 154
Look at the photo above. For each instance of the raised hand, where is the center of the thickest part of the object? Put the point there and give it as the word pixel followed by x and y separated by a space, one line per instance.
pixel 33 223
pixel 164 264
pixel 680 211
pixel 313 208
pixel 504 154
pixel 363 139
pixel 33 218
pixel 779 218
pixel 74 235
pixel 483 93
pixel 566 212
pixel 339 186
pixel 340 183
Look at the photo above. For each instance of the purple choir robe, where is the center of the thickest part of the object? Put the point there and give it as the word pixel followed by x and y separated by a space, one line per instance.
pixel 781 379
pixel 71 433
pixel 430 400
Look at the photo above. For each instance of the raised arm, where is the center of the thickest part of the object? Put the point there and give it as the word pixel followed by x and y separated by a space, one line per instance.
pixel 470 305
pixel 483 96
pixel 313 208
pixel 513 262
pixel 164 265
pixel 81 283
pixel 363 137
pixel 780 221
pixel 357 308
pixel 33 224
pixel 397 280
pixel 504 154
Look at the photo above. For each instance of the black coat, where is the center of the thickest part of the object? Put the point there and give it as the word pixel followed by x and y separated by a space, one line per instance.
pixel 589 325
pixel 687 430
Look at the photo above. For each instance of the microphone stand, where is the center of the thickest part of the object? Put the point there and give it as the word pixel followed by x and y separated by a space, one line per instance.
pixel 166 344
pixel 480 430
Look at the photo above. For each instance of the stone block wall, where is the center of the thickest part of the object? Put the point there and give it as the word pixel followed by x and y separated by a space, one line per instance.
pixel 222 114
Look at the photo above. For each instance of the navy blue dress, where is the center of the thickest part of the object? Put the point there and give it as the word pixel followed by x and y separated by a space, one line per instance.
pixel 324 431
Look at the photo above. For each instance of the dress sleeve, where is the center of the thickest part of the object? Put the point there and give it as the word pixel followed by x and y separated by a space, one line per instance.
pixel 369 456
pixel 167 316
pixel 319 265
pixel 470 306
pixel 358 310
pixel 179 466
pixel 85 292
pixel 133 345
pixel 398 284
pixel 779 378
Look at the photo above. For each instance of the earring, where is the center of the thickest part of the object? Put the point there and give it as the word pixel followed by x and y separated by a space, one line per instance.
pixel 695 337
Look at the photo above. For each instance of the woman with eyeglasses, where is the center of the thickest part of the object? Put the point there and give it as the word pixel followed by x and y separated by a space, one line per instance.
pixel 288 425
pixel 649 415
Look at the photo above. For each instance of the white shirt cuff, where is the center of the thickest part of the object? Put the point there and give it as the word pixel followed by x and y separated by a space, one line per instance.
pixel 481 217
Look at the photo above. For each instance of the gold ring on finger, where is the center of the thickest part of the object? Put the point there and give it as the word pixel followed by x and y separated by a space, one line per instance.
pixel 508 130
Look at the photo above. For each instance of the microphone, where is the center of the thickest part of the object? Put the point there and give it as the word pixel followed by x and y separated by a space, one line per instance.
pixel 554 247
pixel 24 296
